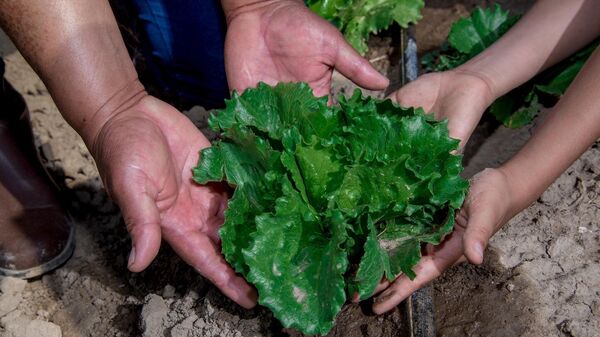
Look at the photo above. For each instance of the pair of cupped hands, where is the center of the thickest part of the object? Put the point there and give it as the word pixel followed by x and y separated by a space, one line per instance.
pixel 151 177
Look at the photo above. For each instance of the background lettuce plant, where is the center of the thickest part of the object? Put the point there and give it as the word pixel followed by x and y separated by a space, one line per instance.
pixel 357 19
pixel 328 200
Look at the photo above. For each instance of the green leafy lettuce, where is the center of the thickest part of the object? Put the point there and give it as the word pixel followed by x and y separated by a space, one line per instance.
pixel 328 200
pixel 470 36
pixel 356 19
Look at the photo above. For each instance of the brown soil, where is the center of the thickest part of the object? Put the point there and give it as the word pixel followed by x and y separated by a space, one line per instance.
pixel 540 278
pixel 541 271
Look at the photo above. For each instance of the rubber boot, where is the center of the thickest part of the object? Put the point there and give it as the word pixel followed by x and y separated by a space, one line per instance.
pixel 36 233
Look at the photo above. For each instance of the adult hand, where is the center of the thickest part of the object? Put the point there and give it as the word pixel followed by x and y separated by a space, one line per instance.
pixel 283 41
pixel 460 97
pixel 145 154
pixel 487 207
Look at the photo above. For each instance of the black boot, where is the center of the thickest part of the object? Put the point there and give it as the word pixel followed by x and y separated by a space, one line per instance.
pixel 36 233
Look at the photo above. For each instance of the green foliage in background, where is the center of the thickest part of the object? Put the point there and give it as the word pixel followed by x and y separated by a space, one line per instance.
pixel 470 36
pixel 357 19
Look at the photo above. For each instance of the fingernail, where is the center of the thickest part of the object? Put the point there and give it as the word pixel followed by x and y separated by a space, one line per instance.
pixel 246 296
pixel 248 299
pixel 131 260
pixel 385 296
pixel 479 249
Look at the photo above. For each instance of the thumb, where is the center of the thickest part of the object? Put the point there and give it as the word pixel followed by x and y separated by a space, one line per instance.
pixel 480 228
pixel 423 92
pixel 143 224
pixel 356 68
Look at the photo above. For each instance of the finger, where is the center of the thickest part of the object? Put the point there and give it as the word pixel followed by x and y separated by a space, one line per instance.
pixel 422 92
pixel 384 283
pixel 143 223
pixel 408 96
pixel 461 260
pixel 462 128
pixel 350 64
pixel 429 268
pixel 381 286
pixel 202 254
pixel 480 228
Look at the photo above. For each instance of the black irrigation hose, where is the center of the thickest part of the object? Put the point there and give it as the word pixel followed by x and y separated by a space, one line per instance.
pixel 418 308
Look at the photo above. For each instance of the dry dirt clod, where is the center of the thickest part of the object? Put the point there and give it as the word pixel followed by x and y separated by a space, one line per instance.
pixel 154 312
pixel 23 327
pixel 185 328
pixel 510 287
pixel 10 285
pixel 9 302
pixel 168 291
pixel 11 289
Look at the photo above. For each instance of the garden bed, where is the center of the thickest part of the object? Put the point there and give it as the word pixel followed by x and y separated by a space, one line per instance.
pixel 540 278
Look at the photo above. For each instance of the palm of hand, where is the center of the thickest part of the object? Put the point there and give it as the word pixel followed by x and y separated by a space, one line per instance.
pixel 147 154
pixel 461 98
pixel 286 42
pixel 272 47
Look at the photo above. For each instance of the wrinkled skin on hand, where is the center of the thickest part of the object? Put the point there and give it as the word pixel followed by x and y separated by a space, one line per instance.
pixel 486 208
pixel 283 41
pixel 146 151
pixel 460 97
pixel 146 154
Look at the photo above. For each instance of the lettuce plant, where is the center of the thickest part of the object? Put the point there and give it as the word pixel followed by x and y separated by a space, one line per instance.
pixel 328 200
pixel 356 19
pixel 470 36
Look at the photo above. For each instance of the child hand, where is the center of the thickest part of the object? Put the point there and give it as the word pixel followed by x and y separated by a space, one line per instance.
pixel 487 207
pixel 459 96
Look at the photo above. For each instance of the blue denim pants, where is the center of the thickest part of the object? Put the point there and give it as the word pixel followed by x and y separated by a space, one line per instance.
pixel 183 48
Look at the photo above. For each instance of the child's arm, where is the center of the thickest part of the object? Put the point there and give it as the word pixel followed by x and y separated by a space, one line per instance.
pixel 548 33
pixel 496 195
pixel 551 31
pixel 572 126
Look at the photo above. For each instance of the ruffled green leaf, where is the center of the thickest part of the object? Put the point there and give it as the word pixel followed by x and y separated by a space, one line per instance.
pixel 357 19
pixel 297 267
pixel 321 171
pixel 374 265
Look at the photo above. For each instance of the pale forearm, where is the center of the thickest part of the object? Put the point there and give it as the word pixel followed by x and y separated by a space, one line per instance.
pixel 77 49
pixel 572 126
pixel 548 33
